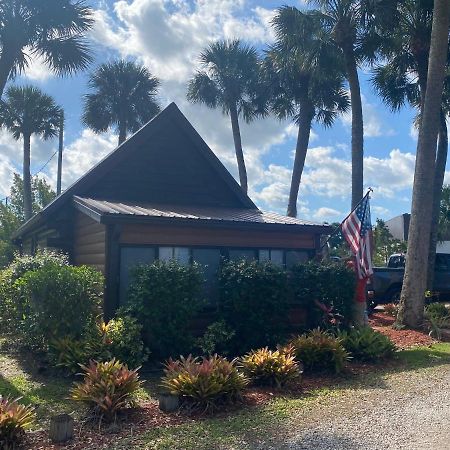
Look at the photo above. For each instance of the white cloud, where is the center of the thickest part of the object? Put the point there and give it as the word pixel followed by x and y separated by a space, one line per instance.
pixel 325 213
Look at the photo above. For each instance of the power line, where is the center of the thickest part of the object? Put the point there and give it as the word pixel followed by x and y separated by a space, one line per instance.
pixel 45 165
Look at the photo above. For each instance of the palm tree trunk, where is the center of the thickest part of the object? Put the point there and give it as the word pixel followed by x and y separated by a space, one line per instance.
pixel 6 63
pixel 439 173
pixel 357 126
pixel 27 200
pixel 414 284
pixel 238 148
pixel 304 130
pixel 122 131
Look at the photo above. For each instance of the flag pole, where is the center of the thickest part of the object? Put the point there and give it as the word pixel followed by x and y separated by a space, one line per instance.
pixel 369 190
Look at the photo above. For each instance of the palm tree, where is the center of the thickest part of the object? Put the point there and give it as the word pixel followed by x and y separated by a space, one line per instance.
pixel 124 96
pixel 403 79
pixel 306 82
pixel 229 79
pixel 24 112
pixel 350 25
pixel 414 284
pixel 52 29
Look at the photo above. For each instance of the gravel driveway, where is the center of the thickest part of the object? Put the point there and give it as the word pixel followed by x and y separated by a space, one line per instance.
pixel 408 410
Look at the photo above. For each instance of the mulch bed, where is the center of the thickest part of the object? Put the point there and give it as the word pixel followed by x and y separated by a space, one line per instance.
pixel 403 339
pixel 148 416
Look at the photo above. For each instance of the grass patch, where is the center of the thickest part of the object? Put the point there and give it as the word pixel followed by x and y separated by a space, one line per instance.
pixel 419 357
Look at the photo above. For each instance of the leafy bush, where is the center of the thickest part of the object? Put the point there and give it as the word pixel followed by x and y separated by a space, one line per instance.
pixel 61 302
pixel 67 353
pixel 391 309
pixel 108 387
pixel 204 383
pixel 216 338
pixel 14 420
pixel 437 317
pixel 320 351
pixel 315 286
pixel 366 344
pixel 43 258
pixel 254 303
pixel 275 368
pixel 164 297
pixel 437 311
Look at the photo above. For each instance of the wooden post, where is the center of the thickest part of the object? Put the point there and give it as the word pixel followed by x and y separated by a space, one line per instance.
pixel 168 402
pixel 61 428
pixel 60 154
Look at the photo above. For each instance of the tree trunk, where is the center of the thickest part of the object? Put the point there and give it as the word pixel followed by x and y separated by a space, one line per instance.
pixel 357 126
pixel 6 63
pixel 27 199
pixel 414 284
pixel 238 148
pixel 304 130
pixel 122 131
pixel 439 173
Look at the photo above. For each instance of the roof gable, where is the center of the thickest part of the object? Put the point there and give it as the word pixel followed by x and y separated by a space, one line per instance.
pixel 165 161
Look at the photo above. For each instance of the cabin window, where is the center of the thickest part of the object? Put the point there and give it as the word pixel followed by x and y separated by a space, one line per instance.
pixel 179 254
pixel 237 254
pixel 209 261
pixel 274 256
pixel 296 257
pixel 129 258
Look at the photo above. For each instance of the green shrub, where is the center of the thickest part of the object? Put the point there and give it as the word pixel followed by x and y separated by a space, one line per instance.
pixel 331 284
pixel 366 344
pixel 14 420
pixel 319 351
pixel 108 387
pixel 164 297
pixel 28 263
pixel 204 383
pixel 437 311
pixel 216 338
pixel 254 303
pixel 67 353
pixel 275 368
pixel 61 302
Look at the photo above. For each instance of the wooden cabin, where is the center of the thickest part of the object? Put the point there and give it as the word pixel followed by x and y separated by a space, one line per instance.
pixel 163 194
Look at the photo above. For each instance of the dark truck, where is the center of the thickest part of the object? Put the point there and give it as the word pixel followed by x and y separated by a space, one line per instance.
pixel 386 283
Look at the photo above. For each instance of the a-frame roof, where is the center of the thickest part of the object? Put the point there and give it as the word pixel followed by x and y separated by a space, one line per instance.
pixel 166 140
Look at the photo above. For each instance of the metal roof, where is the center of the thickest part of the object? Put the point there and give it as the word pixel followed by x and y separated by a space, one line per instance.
pixel 112 209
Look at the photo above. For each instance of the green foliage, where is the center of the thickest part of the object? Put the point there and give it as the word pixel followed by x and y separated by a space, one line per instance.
pixel 329 284
pixel 163 298
pixel 437 310
pixel 108 387
pixel 43 258
pixel 276 368
pixel 14 420
pixel 384 244
pixel 254 303
pixel 437 317
pixel 204 383
pixel 9 222
pixel 62 301
pixel 216 338
pixel 67 353
pixel 366 344
pixel 319 351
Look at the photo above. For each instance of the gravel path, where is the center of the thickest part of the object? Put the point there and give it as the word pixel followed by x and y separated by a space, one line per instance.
pixel 408 410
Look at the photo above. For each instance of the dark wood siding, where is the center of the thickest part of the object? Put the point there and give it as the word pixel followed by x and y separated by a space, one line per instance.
pixel 220 237
pixel 89 242
pixel 167 169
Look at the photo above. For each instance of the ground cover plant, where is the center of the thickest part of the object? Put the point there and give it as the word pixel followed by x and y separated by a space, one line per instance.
pixel 204 383
pixel 271 367
pixel 108 387
pixel 15 419
pixel 320 351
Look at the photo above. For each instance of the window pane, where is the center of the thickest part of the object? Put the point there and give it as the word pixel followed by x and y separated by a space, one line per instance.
pixel 276 256
pixel 165 253
pixel 182 255
pixel 209 260
pixel 264 255
pixel 129 258
pixel 295 257
pixel 238 254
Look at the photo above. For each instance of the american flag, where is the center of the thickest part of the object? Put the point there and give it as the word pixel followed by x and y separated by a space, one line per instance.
pixel 357 230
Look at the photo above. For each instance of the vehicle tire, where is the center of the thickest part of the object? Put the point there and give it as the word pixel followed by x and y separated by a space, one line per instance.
pixel 393 294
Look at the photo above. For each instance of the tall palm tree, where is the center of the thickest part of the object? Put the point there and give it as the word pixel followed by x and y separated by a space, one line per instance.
pixel 24 112
pixel 349 24
pixel 229 79
pixel 306 82
pixel 124 96
pixel 412 297
pixel 52 29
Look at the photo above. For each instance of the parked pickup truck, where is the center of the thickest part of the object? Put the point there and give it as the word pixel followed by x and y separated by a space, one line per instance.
pixel 386 283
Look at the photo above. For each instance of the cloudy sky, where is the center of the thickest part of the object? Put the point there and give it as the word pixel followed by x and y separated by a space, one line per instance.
pixel 167 36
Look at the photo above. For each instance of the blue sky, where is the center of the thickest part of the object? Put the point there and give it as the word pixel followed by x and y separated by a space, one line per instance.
pixel 166 36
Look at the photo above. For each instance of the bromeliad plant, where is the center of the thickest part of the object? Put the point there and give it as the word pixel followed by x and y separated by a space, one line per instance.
pixel 108 387
pixel 15 418
pixel 275 368
pixel 366 344
pixel 320 351
pixel 204 383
